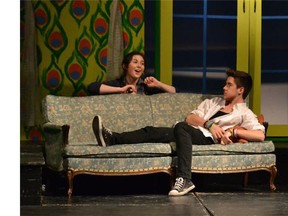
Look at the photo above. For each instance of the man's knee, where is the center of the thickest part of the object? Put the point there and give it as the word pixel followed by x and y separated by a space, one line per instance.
pixel 184 126
pixel 179 126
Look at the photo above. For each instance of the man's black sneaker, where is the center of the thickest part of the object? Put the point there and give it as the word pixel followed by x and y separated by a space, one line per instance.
pixel 181 187
pixel 103 135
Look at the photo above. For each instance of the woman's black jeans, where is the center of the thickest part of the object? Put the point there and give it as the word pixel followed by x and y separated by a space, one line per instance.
pixel 185 136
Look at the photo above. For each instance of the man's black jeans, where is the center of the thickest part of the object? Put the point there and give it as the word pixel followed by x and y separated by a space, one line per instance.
pixel 185 136
pixel 144 135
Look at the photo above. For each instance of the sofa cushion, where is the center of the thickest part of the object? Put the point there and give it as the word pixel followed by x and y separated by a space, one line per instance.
pixel 230 163
pixel 127 150
pixel 234 148
pixel 162 149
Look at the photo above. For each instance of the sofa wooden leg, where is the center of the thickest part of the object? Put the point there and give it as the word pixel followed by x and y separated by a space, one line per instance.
pixel 70 177
pixel 272 178
pixel 245 179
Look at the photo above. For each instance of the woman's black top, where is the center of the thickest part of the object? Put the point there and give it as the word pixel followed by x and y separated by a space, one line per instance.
pixel 94 88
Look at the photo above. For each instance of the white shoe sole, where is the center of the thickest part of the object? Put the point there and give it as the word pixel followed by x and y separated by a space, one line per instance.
pixel 98 134
pixel 177 193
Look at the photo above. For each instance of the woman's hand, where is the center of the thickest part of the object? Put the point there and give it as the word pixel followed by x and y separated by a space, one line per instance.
pixel 129 89
pixel 226 138
pixel 152 82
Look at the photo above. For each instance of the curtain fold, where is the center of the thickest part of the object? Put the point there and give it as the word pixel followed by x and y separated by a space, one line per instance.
pixel 29 78
pixel 115 42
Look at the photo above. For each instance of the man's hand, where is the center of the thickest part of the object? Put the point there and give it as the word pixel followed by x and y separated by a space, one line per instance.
pixel 217 132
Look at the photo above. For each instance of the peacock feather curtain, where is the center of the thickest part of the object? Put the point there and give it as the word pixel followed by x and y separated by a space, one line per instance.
pixel 68 44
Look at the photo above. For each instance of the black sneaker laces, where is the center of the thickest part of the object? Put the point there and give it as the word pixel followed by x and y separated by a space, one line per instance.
pixel 179 184
pixel 107 131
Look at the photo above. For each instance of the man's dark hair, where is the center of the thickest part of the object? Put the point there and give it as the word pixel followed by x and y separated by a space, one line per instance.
pixel 128 58
pixel 242 79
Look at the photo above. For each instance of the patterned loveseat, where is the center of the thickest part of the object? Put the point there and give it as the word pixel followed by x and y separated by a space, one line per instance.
pixel 70 144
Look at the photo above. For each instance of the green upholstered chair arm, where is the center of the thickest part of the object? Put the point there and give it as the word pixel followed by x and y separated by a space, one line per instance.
pixel 56 137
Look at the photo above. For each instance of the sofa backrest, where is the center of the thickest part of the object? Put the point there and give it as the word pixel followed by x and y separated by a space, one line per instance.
pixel 170 108
pixel 119 112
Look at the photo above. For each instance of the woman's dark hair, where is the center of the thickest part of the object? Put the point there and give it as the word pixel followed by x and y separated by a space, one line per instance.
pixel 128 58
pixel 242 79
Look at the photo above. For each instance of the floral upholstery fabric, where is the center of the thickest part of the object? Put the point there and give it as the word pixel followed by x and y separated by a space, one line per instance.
pixel 154 149
pixel 234 148
pixel 127 150
pixel 230 163
pixel 119 165
pixel 170 108
pixel 119 113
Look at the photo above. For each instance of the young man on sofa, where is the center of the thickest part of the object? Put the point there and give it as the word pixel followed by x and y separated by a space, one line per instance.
pixel 217 120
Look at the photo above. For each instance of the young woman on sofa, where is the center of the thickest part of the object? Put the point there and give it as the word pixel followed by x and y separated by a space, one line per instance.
pixel 131 81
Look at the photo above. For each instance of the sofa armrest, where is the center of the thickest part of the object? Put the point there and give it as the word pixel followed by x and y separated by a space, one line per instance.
pixel 56 137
